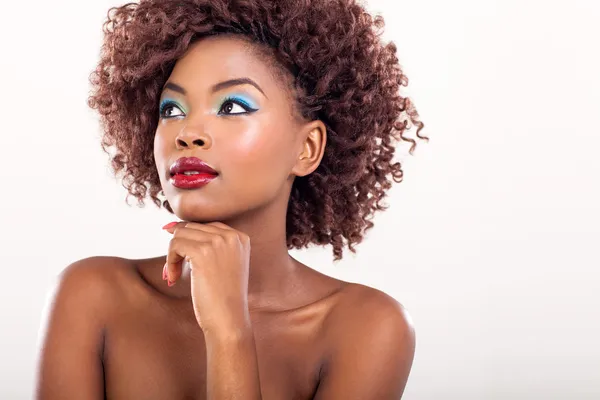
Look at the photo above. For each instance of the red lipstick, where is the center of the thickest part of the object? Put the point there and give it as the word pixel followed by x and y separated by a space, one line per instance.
pixel 191 173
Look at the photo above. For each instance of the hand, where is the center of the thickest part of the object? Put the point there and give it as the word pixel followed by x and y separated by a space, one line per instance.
pixel 219 259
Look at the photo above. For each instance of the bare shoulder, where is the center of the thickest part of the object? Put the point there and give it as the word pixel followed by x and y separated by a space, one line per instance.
pixel 93 280
pixel 100 272
pixel 87 291
pixel 360 304
pixel 97 265
pixel 71 335
pixel 371 329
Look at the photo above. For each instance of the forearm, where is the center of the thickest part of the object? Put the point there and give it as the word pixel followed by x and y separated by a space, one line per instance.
pixel 232 366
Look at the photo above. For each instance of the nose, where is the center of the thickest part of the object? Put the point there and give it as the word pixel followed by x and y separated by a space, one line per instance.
pixel 190 137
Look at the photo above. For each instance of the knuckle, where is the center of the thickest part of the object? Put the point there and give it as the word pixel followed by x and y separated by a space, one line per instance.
pixel 218 239
pixel 232 237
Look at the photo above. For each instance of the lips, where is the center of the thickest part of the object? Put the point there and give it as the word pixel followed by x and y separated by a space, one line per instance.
pixel 191 164
pixel 191 173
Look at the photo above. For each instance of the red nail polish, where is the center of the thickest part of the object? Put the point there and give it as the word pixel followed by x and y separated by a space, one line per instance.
pixel 170 225
pixel 170 283
pixel 165 276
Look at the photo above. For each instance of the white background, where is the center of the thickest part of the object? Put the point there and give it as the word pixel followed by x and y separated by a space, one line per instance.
pixel 491 241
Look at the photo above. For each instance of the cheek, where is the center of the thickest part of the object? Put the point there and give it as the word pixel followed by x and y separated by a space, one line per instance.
pixel 161 156
pixel 262 148
pixel 159 151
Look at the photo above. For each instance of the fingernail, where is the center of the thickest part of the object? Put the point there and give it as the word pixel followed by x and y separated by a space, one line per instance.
pixel 170 283
pixel 165 276
pixel 170 225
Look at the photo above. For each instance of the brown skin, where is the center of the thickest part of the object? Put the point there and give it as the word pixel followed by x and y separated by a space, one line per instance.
pixel 244 319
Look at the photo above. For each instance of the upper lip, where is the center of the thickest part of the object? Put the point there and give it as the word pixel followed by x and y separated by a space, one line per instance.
pixel 191 164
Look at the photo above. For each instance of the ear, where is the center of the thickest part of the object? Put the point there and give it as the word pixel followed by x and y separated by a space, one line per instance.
pixel 313 139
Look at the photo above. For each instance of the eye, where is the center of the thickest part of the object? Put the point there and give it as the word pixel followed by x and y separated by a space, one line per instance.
pixel 232 106
pixel 166 109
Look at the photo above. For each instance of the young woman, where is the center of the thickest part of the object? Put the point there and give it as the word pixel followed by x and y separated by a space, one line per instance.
pixel 266 126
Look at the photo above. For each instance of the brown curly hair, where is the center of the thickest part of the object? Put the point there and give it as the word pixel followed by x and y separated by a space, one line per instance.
pixel 343 75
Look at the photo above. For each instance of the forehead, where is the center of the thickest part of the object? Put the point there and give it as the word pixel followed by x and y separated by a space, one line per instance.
pixel 219 58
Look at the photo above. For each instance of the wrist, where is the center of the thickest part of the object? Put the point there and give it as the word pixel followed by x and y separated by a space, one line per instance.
pixel 228 334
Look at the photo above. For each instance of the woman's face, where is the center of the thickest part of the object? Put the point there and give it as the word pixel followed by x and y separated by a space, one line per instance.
pixel 223 105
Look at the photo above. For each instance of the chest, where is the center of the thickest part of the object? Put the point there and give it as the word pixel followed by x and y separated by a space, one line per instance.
pixel 154 357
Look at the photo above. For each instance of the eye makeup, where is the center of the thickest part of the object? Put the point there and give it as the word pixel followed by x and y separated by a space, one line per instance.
pixel 244 100
pixel 167 103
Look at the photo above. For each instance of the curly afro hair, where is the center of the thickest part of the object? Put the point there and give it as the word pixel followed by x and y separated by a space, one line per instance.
pixel 342 74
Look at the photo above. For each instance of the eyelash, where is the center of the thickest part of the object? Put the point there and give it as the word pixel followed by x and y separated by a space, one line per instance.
pixel 241 103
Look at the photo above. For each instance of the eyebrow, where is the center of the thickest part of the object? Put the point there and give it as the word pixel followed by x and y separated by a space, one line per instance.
pixel 219 86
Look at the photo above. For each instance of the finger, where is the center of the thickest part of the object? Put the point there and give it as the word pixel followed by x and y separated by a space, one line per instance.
pixel 209 233
pixel 214 227
pixel 196 234
pixel 219 228
pixel 179 250
pixel 220 225
pixel 171 227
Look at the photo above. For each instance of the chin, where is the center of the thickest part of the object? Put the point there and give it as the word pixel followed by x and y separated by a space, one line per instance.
pixel 187 208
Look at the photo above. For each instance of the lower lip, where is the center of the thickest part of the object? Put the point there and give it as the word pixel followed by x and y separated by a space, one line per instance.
pixel 191 181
